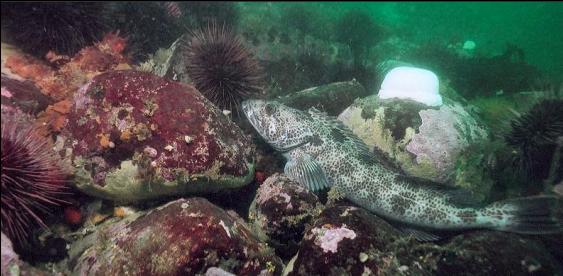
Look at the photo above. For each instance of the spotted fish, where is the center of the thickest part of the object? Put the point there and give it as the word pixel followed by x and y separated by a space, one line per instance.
pixel 322 153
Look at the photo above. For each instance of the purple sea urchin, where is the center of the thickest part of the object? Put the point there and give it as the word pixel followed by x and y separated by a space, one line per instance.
pixel 535 134
pixel 32 180
pixel 221 67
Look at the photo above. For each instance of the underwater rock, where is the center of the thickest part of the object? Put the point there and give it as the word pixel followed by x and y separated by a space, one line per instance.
pixel 11 263
pixel 512 73
pixel 183 237
pixel 424 142
pixel 135 136
pixel 167 62
pixel 296 50
pixel 332 98
pixel 61 76
pixel 280 210
pixel 8 50
pixel 489 253
pixel 345 240
pixel 22 96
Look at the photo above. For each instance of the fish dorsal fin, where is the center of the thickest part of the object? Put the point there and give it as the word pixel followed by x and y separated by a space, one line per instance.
pixel 305 170
pixel 457 196
pixel 341 133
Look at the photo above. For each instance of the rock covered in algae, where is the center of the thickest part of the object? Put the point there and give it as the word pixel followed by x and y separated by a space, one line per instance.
pixel 280 210
pixel 332 98
pixel 22 95
pixel 133 136
pixel 183 237
pixel 346 240
pixel 423 141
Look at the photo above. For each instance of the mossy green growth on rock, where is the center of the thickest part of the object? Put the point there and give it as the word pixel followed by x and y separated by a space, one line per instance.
pixel 472 170
pixel 124 184
pixel 423 141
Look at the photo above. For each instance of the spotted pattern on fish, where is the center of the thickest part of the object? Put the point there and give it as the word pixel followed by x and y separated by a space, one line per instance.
pixel 322 152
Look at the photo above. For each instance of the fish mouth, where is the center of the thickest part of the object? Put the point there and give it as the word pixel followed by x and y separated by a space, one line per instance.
pixel 250 111
pixel 250 108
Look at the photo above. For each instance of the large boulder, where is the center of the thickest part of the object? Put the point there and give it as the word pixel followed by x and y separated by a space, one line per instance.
pixel 332 98
pixel 281 210
pixel 183 237
pixel 133 136
pixel 427 142
pixel 346 240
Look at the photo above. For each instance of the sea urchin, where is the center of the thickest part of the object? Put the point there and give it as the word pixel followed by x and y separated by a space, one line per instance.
pixel 535 134
pixel 32 180
pixel 221 67
pixel 37 27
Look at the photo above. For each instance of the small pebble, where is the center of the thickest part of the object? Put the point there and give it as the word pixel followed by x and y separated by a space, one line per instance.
pixel 150 151
pixel 123 211
pixel 403 268
pixel 363 257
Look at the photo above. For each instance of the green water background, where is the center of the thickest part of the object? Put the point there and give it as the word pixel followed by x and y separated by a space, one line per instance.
pixel 535 27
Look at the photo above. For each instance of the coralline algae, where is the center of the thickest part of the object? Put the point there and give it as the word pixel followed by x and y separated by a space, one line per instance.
pixel 126 136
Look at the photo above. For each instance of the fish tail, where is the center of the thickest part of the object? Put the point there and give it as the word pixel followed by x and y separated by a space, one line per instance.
pixel 529 215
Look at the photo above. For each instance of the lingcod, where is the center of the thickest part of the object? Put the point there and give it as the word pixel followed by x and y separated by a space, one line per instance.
pixel 323 153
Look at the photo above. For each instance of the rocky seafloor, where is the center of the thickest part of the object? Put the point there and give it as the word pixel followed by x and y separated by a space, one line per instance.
pixel 165 183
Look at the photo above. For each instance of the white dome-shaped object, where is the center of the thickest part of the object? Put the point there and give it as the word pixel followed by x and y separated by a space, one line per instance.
pixel 411 83
pixel 469 45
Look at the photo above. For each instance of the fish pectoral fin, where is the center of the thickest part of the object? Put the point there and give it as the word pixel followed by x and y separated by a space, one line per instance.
pixel 418 234
pixel 307 171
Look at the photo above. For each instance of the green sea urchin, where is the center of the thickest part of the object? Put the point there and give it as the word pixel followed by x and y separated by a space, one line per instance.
pixel 32 179
pixel 221 67
pixel 534 135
